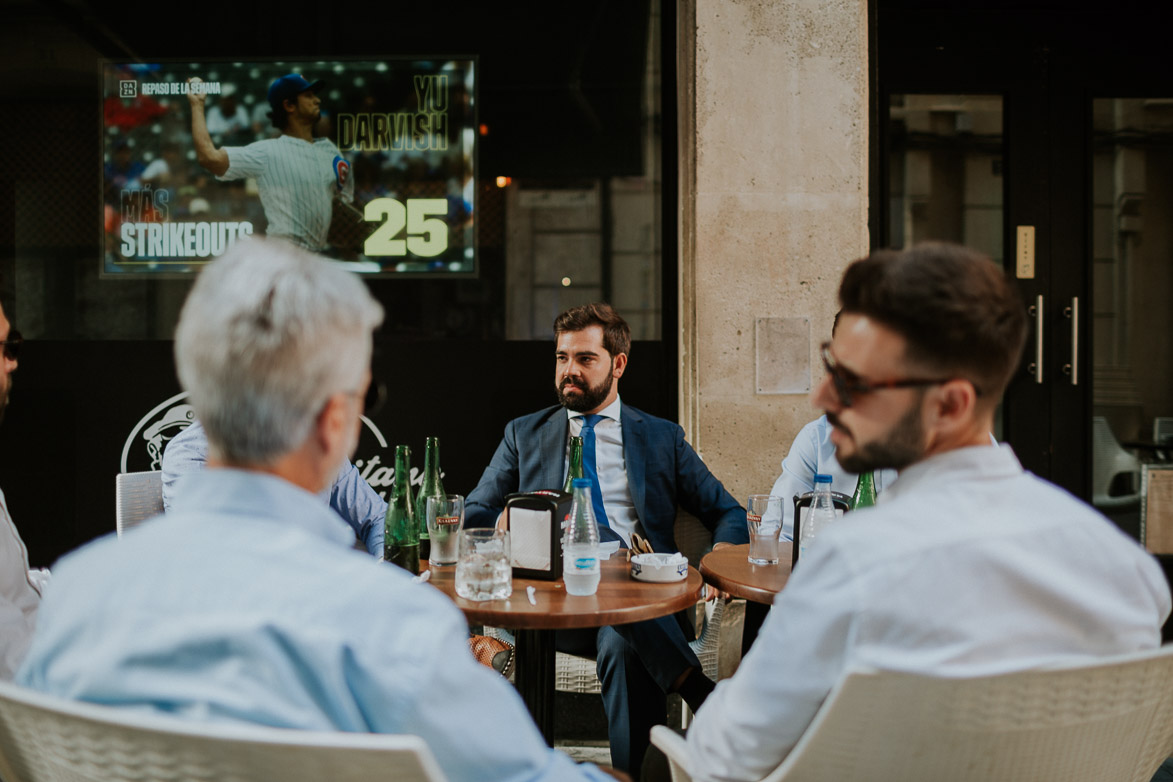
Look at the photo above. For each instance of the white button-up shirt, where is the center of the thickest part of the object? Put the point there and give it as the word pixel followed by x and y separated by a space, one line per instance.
pixel 19 596
pixel 967 566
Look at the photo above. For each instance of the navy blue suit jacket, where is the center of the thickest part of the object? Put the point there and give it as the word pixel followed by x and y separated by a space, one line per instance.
pixel 663 472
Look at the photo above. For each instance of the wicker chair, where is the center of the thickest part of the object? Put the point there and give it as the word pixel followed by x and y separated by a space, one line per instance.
pixel 48 739
pixel 138 496
pixel 1110 719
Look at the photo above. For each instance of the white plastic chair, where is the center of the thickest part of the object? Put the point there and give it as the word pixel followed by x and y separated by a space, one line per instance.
pixel 1108 461
pixel 1105 721
pixel 48 739
pixel 138 496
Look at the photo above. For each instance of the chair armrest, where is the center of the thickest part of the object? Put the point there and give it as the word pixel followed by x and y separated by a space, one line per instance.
pixel 674 746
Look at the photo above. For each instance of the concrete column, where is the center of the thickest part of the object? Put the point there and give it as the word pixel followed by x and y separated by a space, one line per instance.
pixel 774 199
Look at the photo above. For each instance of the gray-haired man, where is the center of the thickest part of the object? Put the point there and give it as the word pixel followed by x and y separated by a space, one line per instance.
pixel 246 602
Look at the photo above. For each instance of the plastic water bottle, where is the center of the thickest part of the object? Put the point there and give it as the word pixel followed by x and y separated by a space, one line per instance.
pixel 821 514
pixel 580 555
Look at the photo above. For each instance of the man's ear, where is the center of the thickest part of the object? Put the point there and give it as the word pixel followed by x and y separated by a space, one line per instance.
pixel 330 425
pixel 620 364
pixel 956 401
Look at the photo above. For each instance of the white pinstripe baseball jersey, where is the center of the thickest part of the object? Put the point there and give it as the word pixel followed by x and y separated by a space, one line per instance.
pixel 297 181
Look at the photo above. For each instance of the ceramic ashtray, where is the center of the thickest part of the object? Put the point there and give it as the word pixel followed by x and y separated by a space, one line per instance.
pixel 659 567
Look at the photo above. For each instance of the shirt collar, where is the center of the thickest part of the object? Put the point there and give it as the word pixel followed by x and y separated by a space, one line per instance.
pixel 611 411
pixel 980 461
pixel 235 492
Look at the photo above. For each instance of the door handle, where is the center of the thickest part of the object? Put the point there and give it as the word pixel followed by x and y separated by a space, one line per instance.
pixel 1036 367
pixel 1072 313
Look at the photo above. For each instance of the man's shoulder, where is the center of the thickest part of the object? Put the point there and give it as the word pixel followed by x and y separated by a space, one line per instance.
pixel 326 145
pixel 192 440
pixel 654 423
pixel 261 145
pixel 531 421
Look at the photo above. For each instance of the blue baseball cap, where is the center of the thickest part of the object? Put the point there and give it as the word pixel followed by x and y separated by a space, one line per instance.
pixel 288 87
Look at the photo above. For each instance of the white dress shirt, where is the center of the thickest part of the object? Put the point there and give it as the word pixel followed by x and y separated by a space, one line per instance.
pixel 611 467
pixel 967 566
pixel 19 596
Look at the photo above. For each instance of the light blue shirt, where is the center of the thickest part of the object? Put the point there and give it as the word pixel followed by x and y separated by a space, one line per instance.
pixel 813 452
pixel 611 467
pixel 350 496
pixel 247 604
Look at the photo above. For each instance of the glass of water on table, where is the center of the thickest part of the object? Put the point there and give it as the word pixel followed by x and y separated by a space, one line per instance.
pixel 764 517
pixel 484 570
pixel 445 521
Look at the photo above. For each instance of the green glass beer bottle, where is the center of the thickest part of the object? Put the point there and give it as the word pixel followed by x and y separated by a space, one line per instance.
pixel 401 539
pixel 432 487
pixel 865 491
pixel 575 470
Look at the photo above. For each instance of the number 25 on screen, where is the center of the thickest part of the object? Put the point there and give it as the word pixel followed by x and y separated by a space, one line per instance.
pixel 427 235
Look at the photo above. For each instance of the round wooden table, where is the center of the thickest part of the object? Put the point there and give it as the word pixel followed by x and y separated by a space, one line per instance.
pixel 619 600
pixel 730 570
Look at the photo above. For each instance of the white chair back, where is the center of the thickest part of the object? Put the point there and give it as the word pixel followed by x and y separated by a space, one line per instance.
pixel 49 739
pixel 138 496
pixel 1106 720
pixel 1108 461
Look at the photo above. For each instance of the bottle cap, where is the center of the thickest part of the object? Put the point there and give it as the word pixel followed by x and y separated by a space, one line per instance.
pixel 581 483
pixel 820 478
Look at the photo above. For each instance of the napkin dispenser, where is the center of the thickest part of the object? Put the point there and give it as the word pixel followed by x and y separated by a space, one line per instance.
pixel 802 506
pixel 534 521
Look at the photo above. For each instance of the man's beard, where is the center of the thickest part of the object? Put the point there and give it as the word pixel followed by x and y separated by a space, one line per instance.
pixel 4 398
pixel 589 398
pixel 903 446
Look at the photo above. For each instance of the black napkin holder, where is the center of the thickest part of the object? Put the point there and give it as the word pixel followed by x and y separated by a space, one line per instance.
pixel 534 520
pixel 802 506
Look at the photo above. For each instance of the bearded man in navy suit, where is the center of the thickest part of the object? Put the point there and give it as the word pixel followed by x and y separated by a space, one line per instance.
pixel 645 471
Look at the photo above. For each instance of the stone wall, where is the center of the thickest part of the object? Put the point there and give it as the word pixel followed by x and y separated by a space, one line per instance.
pixel 774 198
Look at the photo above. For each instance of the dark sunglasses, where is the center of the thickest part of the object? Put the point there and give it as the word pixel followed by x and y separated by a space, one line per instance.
pixel 12 345
pixel 848 385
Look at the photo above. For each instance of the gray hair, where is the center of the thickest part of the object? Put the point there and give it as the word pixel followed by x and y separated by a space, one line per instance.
pixel 268 333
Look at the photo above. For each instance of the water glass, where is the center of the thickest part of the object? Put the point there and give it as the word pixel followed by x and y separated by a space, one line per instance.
pixel 445 516
pixel 483 569
pixel 764 517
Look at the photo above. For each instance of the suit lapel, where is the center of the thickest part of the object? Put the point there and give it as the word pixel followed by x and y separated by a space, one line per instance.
pixel 634 456
pixel 553 450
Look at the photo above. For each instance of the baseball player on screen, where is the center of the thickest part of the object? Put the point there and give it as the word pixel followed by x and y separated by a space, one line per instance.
pixel 298 176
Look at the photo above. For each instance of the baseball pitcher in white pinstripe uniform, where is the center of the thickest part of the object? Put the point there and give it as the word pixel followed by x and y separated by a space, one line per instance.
pixel 298 176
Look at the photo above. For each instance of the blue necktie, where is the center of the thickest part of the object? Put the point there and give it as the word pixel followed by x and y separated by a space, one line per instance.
pixel 589 469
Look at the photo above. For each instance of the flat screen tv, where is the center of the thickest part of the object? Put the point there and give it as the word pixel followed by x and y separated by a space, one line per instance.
pixel 373 165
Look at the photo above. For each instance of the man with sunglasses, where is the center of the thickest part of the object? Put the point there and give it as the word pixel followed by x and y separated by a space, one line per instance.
pixel 20 588
pixel 968 564
pixel 813 453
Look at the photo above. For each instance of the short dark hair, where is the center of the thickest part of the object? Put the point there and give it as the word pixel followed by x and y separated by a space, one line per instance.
pixel 280 119
pixel 616 332
pixel 957 310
